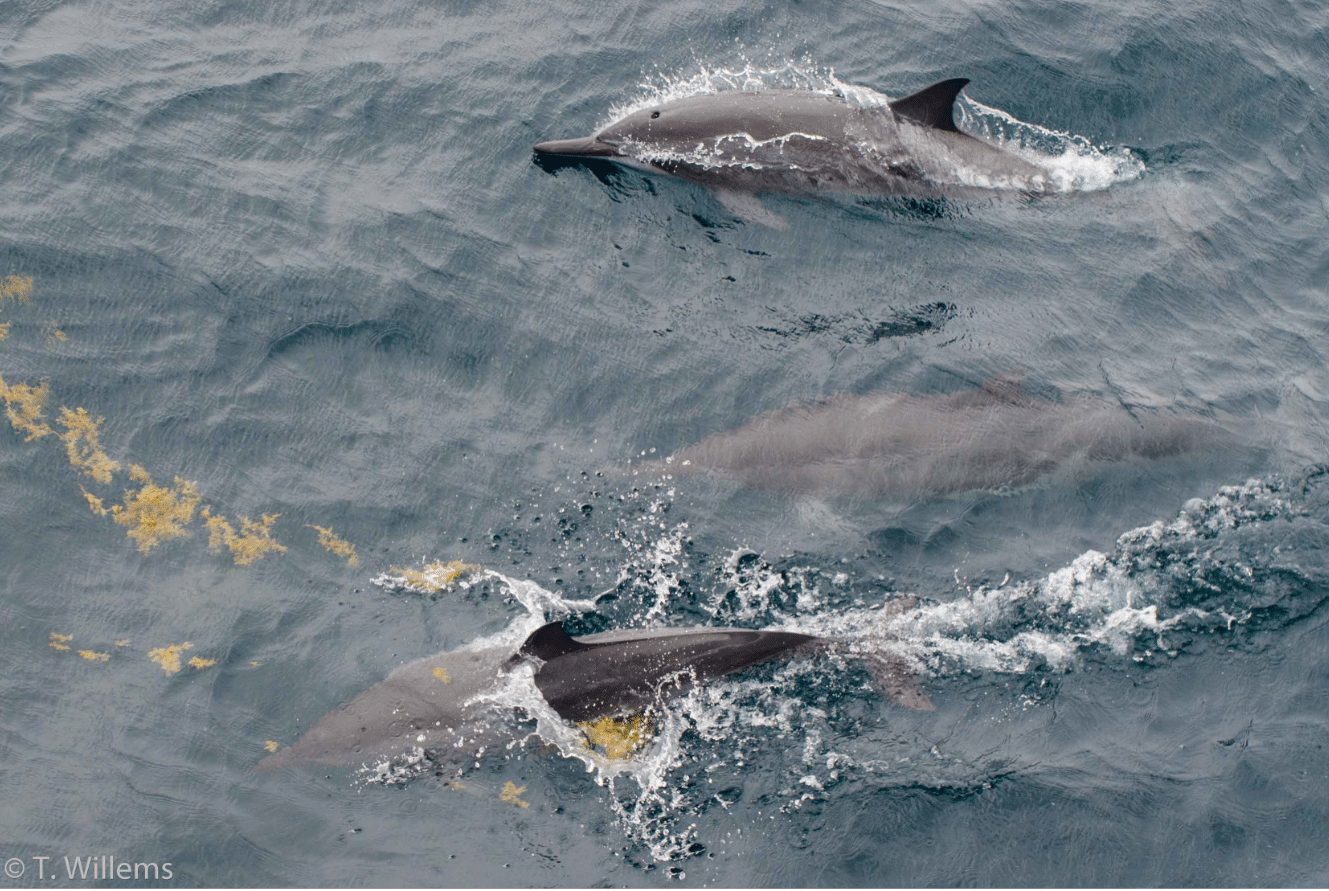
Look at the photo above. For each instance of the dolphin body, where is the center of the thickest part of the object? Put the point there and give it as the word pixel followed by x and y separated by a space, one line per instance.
pixel 890 444
pixel 436 703
pixel 740 143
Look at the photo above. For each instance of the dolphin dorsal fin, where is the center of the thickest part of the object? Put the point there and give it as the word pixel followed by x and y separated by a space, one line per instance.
pixel 932 106
pixel 550 641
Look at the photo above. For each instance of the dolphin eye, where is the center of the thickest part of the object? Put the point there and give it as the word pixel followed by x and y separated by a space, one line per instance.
pixel 654 115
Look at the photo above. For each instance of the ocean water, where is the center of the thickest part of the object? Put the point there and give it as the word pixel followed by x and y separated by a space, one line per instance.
pixel 287 311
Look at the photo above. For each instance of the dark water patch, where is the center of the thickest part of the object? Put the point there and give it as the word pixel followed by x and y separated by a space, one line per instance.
pixel 379 335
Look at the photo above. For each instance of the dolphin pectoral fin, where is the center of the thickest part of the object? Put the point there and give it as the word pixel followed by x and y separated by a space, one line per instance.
pixel 746 207
pixel 899 683
pixel 932 106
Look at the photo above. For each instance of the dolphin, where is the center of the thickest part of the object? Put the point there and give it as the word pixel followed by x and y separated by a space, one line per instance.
pixel 438 703
pixel 741 143
pixel 995 437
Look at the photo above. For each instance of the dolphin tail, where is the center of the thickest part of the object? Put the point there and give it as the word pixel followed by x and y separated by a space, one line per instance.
pixel 891 674
pixel 898 606
pixel 895 679
pixel 932 106
pixel 276 761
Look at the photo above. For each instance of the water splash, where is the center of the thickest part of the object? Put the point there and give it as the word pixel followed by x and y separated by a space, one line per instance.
pixel 1073 163
pixel 1161 586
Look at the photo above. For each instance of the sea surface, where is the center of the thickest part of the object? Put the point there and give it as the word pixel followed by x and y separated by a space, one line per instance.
pixel 290 320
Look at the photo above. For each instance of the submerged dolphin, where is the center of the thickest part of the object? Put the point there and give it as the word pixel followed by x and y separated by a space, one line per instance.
pixel 436 703
pixel 802 142
pixel 890 444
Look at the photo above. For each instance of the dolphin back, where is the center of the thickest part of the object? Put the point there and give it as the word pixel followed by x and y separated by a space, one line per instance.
pixel 619 672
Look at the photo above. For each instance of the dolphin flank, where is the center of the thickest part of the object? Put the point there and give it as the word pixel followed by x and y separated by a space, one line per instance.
pixel 892 444
pixel 740 143
pixel 434 703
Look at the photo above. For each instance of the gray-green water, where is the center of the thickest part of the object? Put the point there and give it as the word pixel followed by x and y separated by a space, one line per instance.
pixel 298 256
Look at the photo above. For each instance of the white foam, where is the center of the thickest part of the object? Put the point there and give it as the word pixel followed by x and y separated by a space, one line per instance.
pixel 1073 163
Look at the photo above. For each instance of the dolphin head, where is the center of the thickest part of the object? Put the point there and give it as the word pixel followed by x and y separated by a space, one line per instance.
pixel 637 127
pixel 704 124
pixel 662 125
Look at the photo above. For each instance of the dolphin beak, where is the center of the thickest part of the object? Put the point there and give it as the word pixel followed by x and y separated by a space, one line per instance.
pixel 586 147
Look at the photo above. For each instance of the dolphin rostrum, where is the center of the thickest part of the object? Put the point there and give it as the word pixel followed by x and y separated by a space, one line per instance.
pixel 438 703
pixel 741 143
pixel 892 444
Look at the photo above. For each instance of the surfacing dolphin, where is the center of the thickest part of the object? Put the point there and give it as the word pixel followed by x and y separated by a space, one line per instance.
pixel 897 445
pixel 438 703
pixel 740 143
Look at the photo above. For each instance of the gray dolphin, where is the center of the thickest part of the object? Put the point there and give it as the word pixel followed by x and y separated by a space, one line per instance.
pixel 891 444
pixel 436 703
pixel 744 142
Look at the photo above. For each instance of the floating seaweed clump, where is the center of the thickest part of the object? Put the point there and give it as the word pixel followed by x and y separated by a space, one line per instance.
pixel 432 578
pixel 17 288
pixel 168 657
pixel 154 513
pixel 24 405
pixel 252 543
pixel 334 544
pixel 617 737
pixel 82 439
pixel 512 794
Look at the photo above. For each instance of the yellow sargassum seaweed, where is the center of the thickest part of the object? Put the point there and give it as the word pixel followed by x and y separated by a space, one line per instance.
pixel 253 542
pixel 154 513
pixel 334 544
pixel 23 406
pixel 168 657
pixel 83 444
pixel 54 334
pixel 16 287
pixel 95 504
pixel 432 578
pixel 512 794
pixel 617 737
